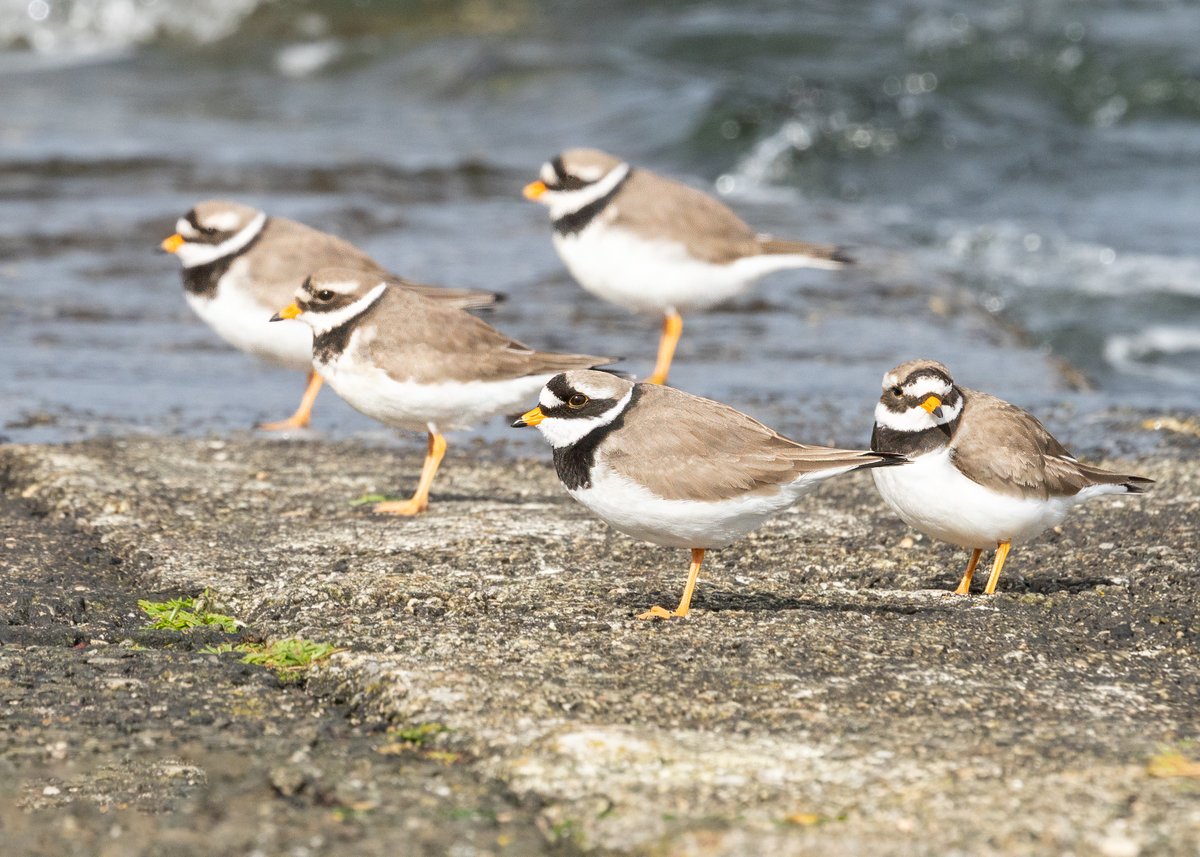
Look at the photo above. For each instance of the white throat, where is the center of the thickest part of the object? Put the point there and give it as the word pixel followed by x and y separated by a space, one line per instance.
pixel 193 254
pixel 323 322
pixel 564 432
pixel 564 202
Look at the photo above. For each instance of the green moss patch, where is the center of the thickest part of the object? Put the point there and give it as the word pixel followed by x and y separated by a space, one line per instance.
pixel 289 658
pixel 184 614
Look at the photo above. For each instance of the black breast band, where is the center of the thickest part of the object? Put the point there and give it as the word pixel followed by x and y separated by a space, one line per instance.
pixel 577 221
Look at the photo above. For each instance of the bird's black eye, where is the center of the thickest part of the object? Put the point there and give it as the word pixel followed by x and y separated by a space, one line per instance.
pixel 897 391
pixel 577 401
pixel 324 295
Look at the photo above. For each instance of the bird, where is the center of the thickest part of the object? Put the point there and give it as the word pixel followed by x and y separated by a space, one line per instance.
pixel 984 473
pixel 239 266
pixel 673 469
pixel 412 362
pixel 654 245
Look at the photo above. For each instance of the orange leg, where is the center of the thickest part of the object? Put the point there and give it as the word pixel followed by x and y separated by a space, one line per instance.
pixel 671 331
pixel 964 585
pixel 419 501
pixel 685 602
pixel 1001 555
pixel 303 414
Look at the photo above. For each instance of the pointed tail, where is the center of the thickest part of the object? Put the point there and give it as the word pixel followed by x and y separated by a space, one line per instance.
pixel 807 255
pixel 880 459
pixel 818 459
pixel 1099 476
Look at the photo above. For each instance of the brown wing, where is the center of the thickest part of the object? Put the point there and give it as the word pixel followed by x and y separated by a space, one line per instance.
pixel 413 338
pixel 460 298
pixel 1007 449
pixel 669 210
pixel 683 447
pixel 297 250
pixel 289 251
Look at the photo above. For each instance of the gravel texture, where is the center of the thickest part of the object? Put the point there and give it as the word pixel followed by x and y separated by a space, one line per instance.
pixel 825 696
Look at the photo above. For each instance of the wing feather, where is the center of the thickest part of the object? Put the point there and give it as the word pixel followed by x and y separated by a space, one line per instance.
pixel 413 338
pixel 299 250
pixel 1007 449
pixel 656 206
pixel 683 447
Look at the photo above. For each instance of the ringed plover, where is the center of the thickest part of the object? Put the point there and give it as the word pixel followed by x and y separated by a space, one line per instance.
pixel 416 363
pixel 654 245
pixel 674 469
pixel 239 266
pixel 984 473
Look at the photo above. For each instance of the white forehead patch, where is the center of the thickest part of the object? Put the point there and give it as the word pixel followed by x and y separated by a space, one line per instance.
pixel 184 228
pixel 927 386
pixel 548 400
pixel 222 221
pixel 547 173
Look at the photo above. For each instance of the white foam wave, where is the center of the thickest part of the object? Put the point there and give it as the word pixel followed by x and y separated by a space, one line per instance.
pixel 766 162
pixel 87 30
pixel 305 59
pixel 1139 353
pixel 1006 251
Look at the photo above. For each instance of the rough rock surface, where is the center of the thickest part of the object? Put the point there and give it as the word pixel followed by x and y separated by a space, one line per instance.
pixel 826 696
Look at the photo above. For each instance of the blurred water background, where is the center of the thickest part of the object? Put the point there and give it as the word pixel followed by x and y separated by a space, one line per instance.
pixel 1021 181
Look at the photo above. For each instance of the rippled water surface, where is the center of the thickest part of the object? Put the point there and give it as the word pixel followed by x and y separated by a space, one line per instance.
pixel 1020 180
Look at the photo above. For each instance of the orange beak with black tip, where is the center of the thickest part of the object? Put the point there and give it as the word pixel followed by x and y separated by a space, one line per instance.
pixel 290 311
pixel 529 418
pixel 933 405
pixel 172 244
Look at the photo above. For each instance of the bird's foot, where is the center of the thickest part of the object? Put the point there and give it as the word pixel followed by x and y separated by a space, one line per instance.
pixel 407 508
pixel 295 421
pixel 657 612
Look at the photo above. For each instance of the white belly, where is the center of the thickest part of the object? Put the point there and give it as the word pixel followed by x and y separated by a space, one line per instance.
pixel 651 276
pixel 932 496
pixel 635 511
pixel 245 323
pixel 412 405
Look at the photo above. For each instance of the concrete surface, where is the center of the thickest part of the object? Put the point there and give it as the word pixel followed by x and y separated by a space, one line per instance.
pixel 826 696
